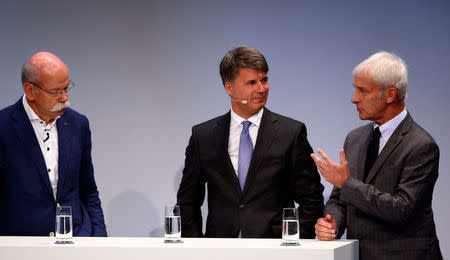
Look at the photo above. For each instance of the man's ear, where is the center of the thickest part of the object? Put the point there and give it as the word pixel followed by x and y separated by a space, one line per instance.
pixel 391 95
pixel 28 89
pixel 228 87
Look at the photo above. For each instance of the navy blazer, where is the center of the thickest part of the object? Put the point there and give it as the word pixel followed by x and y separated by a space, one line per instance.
pixel 27 204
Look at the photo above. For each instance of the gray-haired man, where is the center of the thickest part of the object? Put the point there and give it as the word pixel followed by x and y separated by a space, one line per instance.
pixel 384 182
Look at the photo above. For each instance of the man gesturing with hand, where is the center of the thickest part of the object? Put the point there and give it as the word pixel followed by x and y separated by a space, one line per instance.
pixel 383 184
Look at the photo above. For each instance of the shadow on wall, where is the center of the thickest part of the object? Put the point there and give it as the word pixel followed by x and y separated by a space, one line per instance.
pixel 139 214
pixel 204 208
pixel 177 180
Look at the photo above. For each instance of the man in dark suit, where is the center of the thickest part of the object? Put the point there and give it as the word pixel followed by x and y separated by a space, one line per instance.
pixel 255 162
pixel 384 182
pixel 45 157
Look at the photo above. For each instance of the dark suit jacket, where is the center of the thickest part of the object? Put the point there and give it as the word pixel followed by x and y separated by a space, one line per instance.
pixel 27 204
pixel 281 172
pixel 391 213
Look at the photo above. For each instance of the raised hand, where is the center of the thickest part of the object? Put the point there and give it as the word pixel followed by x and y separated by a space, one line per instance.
pixel 334 173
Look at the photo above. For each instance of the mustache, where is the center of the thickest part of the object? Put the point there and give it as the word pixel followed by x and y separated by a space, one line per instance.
pixel 60 106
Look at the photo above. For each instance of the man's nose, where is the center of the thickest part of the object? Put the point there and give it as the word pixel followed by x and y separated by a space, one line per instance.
pixel 261 86
pixel 64 97
pixel 354 98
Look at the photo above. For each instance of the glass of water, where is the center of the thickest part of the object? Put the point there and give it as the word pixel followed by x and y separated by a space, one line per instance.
pixel 172 224
pixel 64 228
pixel 291 227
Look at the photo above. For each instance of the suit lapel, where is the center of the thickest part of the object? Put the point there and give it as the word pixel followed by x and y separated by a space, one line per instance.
pixel 266 135
pixel 390 146
pixel 361 153
pixel 63 153
pixel 27 136
pixel 222 132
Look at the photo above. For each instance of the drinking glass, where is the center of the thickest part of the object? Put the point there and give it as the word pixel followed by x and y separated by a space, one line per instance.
pixel 64 228
pixel 291 227
pixel 172 224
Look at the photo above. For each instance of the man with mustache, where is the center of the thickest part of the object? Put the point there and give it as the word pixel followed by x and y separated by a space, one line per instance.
pixel 385 179
pixel 45 156
pixel 254 162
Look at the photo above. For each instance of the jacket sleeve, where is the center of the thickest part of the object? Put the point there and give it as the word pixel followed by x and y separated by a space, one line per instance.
pixel 305 184
pixel 88 189
pixel 337 208
pixel 191 192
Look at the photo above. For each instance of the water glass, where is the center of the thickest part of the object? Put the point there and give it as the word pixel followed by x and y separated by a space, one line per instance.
pixel 64 228
pixel 291 227
pixel 172 224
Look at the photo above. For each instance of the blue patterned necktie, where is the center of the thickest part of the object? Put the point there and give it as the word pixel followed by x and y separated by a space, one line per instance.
pixel 245 153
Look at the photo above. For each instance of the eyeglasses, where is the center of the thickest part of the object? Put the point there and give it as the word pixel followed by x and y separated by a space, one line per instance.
pixel 56 92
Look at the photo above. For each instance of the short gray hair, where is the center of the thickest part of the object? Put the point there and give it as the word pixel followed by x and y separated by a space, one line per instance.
pixel 30 74
pixel 241 57
pixel 387 70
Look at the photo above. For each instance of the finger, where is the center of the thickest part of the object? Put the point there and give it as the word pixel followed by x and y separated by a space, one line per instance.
pixel 324 235
pixel 324 156
pixel 324 230
pixel 332 221
pixel 343 159
pixel 316 159
pixel 324 238
pixel 319 163
pixel 324 223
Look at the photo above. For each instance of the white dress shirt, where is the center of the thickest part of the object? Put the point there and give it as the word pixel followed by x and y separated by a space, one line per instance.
pixel 47 136
pixel 388 128
pixel 235 134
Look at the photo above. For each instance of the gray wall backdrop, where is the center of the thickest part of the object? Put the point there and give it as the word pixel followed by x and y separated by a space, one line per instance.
pixel 147 71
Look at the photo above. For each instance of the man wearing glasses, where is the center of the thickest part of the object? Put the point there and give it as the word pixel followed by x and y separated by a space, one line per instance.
pixel 45 156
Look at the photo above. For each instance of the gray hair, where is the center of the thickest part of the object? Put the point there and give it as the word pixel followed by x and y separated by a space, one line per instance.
pixel 387 70
pixel 241 57
pixel 30 74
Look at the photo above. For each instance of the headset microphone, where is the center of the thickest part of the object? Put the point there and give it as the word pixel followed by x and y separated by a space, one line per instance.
pixel 244 102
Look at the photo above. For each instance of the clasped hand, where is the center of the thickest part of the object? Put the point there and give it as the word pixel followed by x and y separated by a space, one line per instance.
pixel 326 228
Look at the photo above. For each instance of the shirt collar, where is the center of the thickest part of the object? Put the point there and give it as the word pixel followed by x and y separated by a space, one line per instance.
pixel 32 115
pixel 389 127
pixel 255 119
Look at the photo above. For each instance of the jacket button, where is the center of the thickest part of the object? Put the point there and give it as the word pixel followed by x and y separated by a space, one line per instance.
pixel 51 234
pixel 241 206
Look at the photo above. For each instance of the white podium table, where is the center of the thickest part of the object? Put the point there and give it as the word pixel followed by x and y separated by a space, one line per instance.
pixel 135 248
